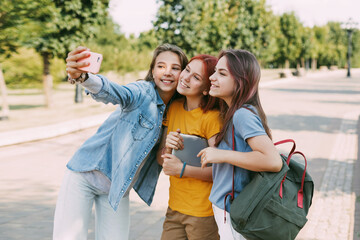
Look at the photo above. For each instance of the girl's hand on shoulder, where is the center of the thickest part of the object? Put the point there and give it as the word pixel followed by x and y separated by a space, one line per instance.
pixel 210 155
pixel 174 140
pixel 172 165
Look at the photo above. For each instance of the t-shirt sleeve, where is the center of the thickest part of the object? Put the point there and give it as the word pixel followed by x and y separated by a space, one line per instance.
pixel 247 124
pixel 212 124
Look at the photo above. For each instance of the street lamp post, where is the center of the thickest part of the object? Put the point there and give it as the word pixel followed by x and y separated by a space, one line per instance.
pixel 78 94
pixel 349 26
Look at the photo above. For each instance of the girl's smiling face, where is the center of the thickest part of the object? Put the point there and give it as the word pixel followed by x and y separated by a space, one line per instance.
pixel 222 82
pixel 191 81
pixel 166 72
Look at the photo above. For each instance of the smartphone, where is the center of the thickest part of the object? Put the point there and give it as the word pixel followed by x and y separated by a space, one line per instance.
pixel 95 60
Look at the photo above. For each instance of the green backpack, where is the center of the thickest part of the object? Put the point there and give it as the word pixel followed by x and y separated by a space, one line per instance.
pixel 273 206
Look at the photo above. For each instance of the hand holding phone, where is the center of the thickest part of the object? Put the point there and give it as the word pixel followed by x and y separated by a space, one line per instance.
pixel 95 60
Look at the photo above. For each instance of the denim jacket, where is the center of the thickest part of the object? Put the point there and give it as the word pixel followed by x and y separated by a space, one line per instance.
pixel 125 139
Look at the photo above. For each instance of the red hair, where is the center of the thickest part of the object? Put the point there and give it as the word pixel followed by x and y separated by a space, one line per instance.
pixel 209 62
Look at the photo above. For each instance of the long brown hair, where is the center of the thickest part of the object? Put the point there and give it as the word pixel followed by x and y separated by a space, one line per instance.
pixel 245 70
pixel 209 62
pixel 164 48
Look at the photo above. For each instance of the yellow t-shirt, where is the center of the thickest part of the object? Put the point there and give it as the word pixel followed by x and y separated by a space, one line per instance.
pixel 190 196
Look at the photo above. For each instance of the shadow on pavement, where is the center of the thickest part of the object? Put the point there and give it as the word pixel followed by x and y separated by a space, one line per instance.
pixel 317 91
pixel 22 106
pixel 316 168
pixel 307 123
pixel 27 212
pixel 341 102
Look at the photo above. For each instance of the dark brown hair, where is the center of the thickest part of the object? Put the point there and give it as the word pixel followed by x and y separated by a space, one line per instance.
pixel 245 70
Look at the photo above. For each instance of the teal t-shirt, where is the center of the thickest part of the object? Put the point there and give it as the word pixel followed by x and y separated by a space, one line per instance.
pixel 247 125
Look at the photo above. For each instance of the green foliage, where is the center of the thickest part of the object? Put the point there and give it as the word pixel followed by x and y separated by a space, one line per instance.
pixel 336 43
pixel 14 14
pixel 24 69
pixel 289 39
pixel 119 53
pixel 147 40
pixel 64 24
pixel 306 46
pixel 207 26
pixel 355 57
pixel 330 44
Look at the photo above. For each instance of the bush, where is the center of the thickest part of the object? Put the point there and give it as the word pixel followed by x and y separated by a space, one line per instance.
pixel 122 60
pixel 24 69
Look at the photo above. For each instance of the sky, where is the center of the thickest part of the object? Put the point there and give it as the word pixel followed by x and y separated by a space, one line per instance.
pixel 135 16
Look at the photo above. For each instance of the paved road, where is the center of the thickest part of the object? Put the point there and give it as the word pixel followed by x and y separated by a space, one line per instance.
pixel 320 112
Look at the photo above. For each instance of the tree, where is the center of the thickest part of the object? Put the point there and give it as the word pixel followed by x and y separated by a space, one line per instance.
pixel 324 51
pixel 13 15
pixel 207 26
pixel 355 58
pixel 60 26
pixel 337 39
pixel 253 28
pixel 123 54
pixel 147 40
pixel 289 39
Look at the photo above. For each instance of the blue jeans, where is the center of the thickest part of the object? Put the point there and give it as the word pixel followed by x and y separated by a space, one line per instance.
pixel 73 212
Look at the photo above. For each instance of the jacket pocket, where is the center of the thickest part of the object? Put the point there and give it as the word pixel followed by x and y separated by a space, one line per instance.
pixel 141 128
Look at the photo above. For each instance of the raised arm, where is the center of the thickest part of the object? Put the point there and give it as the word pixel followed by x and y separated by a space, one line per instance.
pixel 100 88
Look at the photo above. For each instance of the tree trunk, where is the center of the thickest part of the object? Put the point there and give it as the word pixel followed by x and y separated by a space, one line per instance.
pixel 287 64
pixel 47 81
pixel 307 63
pixel 302 62
pixel 4 106
pixel 314 64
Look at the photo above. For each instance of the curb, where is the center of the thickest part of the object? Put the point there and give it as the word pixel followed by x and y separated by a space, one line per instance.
pixel 49 131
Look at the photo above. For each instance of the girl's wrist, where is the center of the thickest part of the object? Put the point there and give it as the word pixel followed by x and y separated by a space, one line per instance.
pixel 226 156
pixel 182 169
pixel 222 155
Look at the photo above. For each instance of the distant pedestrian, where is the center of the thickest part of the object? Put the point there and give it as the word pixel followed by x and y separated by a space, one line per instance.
pixel 122 153
pixel 190 214
pixel 236 80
